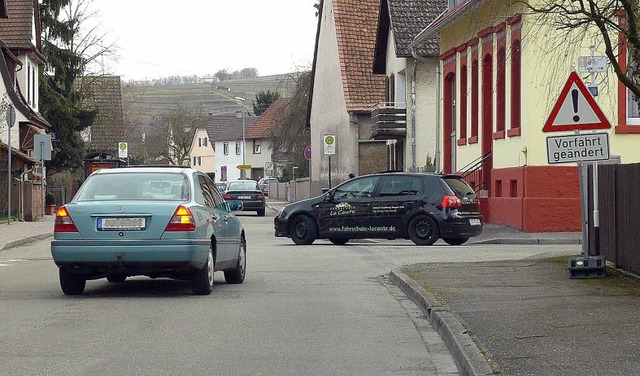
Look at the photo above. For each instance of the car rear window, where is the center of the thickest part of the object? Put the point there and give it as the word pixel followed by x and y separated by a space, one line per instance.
pixel 460 187
pixel 135 186
pixel 248 185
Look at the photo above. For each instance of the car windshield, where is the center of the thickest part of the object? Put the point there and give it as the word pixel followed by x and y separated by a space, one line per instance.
pixel 135 186
pixel 242 185
pixel 460 187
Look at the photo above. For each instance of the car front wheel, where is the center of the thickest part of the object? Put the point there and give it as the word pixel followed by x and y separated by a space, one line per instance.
pixel 202 281
pixel 303 230
pixel 423 230
pixel 237 275
pixel 71 284
pixel 455 241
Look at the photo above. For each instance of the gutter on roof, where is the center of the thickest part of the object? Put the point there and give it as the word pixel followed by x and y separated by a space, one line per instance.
pixel 441 22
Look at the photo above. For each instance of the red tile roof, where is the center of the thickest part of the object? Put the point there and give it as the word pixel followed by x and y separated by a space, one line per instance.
pixel 269 119
pixel 16 29
pixel 356 27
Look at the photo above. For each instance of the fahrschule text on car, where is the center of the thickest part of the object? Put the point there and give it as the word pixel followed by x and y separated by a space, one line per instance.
pixel 416 206
pixel 153 221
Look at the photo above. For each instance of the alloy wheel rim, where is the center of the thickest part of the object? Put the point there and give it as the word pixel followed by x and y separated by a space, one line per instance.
pixel 210 269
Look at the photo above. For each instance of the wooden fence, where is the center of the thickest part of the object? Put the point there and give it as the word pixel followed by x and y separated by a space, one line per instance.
pixel 619 207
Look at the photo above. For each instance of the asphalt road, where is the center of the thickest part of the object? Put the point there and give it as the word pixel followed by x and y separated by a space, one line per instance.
pixel 303 310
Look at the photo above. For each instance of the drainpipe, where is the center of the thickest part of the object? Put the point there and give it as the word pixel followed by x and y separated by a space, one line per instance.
pixel 413 115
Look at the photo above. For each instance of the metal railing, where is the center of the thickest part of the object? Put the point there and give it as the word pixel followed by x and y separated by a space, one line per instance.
pixel 476 173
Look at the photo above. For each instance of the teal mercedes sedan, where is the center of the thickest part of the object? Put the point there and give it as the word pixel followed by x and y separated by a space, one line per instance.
pixel 155 221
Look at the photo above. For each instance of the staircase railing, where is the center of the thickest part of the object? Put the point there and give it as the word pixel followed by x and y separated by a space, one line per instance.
pixel 476 173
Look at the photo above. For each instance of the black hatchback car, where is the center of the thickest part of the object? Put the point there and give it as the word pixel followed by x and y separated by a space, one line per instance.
pixel 420 207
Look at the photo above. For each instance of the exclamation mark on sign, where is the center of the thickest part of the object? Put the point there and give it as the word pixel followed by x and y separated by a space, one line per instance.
pixel 574 97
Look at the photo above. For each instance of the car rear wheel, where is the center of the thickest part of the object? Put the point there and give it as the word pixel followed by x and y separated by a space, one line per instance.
pixel 116 278
pixel 237 275
pixel 423 230
pixel 455 241
pixel 339 241
pixel 303 230
pixel 260 213
pixel 71 284
pixel 202 281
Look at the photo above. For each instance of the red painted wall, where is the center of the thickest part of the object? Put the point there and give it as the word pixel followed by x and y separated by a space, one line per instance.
pixel 536 198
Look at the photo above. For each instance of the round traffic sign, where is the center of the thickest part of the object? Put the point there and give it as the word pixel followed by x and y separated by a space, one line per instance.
pixel 307 153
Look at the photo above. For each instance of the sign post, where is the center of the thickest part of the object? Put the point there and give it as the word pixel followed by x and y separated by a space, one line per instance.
pixel 576 110
pixel 329 141
pixel 307 155
pixel 11 120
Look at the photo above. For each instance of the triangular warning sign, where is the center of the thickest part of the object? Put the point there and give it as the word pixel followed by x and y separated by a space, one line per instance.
pixel 575 109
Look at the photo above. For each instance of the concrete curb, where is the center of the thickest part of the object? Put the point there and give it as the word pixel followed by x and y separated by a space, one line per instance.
pixel 526 241
pixel 27 240
pixel 466 355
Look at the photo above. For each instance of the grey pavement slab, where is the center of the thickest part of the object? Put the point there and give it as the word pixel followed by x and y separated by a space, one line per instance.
pixel 528 317
pixel 15 234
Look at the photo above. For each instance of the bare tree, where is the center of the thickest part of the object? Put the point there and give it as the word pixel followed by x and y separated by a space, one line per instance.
pixel 291 136
pixel 171 141
pixel 577 17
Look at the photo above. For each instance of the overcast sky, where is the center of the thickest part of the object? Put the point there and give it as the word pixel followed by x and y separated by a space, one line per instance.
pixel 159 38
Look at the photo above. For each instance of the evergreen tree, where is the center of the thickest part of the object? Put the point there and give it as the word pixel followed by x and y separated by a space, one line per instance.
pixel 263 101
pixel 60 102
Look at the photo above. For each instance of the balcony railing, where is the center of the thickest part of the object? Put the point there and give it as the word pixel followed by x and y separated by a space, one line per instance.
pixel 389 121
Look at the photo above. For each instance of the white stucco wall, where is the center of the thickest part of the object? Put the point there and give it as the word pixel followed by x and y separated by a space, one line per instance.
pixel 328 110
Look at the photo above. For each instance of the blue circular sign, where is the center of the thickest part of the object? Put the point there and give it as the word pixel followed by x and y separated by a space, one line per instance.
pixel 307 153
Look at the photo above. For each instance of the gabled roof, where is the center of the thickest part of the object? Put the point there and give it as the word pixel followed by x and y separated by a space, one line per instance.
pixel 228 128
pixel 269 119
pixel 356 22
pixel 104 93
pixel 16 30
pixel 406 18
pixel 445 19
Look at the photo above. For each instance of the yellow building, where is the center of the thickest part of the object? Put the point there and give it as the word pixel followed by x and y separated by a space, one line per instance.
pixel 503 69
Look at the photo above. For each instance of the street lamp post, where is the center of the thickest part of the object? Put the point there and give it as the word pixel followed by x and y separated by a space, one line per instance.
pixel 242 171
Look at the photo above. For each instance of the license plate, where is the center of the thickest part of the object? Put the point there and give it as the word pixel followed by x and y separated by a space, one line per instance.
pixel 474 222
pixel 121 223
pixel 244 197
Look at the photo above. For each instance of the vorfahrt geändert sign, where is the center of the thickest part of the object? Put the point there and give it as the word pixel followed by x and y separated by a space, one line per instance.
pixel 576 148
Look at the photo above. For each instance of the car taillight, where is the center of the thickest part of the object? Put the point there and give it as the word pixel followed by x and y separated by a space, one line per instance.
pixel 260 197
pixel 451 202
pixel 182 220
pixel 63 222
pixel 227 196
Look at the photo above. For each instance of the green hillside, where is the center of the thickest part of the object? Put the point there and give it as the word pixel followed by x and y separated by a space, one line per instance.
pixel 144 103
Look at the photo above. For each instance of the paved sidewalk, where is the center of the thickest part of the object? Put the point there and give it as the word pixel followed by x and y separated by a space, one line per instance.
pixel 21 233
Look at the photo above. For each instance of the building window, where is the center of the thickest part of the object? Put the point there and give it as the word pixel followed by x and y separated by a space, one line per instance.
pixel 197 161
pixel 474 101
pixel 515 24
pixel 500 90
pixel 257 147
pixel 226 148
pixel 202 142
pixel 238 148
pixel 462 138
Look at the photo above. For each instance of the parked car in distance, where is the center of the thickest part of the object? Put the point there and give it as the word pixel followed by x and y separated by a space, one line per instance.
pixel 420 207
pixel 248 192
pixel 264 184
pixel 152 221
